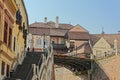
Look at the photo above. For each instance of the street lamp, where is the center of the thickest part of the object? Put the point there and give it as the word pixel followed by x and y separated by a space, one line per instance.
pixel 44 42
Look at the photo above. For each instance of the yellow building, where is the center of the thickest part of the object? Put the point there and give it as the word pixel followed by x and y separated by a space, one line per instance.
pixel 20 31
pixel 11 34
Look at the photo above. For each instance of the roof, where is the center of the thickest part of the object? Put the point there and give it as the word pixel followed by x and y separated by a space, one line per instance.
pixel 78 28
pixel 47 31
pixel 58 32
pixel 78 35
pixel 83 47
pixel 39 31
pixel 108 37
pixel 51 24
pixel 39 28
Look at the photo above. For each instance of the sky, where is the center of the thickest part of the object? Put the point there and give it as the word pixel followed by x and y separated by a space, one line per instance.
pixel 93 15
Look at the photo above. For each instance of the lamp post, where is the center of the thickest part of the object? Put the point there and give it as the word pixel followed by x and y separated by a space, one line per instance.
pixel 76 51
pixel 44 42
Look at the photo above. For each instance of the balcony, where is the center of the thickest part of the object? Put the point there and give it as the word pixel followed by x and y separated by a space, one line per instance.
pixel 59 46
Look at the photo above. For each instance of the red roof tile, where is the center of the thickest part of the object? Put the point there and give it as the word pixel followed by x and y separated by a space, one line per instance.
pixel 78 35
pixel 51 25
pixel 108 37
pixel 78 28
pixel 39 31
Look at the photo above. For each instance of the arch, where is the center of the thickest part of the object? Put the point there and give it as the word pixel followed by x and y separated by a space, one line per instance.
pixel 73 62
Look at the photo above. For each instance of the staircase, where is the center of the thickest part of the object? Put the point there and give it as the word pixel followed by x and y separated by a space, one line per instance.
pixel 25 70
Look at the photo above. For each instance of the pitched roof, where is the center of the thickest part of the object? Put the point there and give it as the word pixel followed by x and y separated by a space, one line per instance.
pixel 83 47
pixel 58 32
pixel 108 37
pixel 39 31
pixel 78 28
pixel 78 35
pixel 47 31
pixel 51 24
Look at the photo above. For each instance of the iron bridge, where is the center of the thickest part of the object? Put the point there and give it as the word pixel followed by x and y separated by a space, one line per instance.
pixel 73 63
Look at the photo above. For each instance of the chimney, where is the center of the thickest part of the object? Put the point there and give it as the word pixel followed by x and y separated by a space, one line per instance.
pixel 57 22
pixel 45 19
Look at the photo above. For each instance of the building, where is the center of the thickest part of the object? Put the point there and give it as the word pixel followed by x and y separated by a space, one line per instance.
pixel 78 42
pixel 65 38
pixel 10 33
pixel 42 34
pixel 8 10
pixel 105 44
pixel 20 32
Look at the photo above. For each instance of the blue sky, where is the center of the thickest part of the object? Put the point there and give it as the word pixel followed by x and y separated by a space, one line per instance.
pixel 93 15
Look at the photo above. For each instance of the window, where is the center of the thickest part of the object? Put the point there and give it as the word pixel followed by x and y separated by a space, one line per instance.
pixel 14 43
pixel 53 42
pixel 0 16
pixel 40 41
pixel 0 19
pixel 10 38
pixel 62 42
pixel 3 68
pixel 46 42
pixel 7 71
pixel 5 31
pixel 98 53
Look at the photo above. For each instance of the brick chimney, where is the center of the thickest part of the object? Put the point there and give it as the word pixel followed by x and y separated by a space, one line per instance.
pixel 57 22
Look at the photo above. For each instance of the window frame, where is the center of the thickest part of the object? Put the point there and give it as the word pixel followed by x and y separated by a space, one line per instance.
pixel 3 68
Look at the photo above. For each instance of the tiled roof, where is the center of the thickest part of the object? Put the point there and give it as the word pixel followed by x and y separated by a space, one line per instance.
pixel 94 38
pixel 39 28
pixel 51 25
pixel 47 31
pixel 78 28
pixel 78 35
pixel 39 31
pixel 108 37
pixel 83 47
pixel 65 26
pixel 57 32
